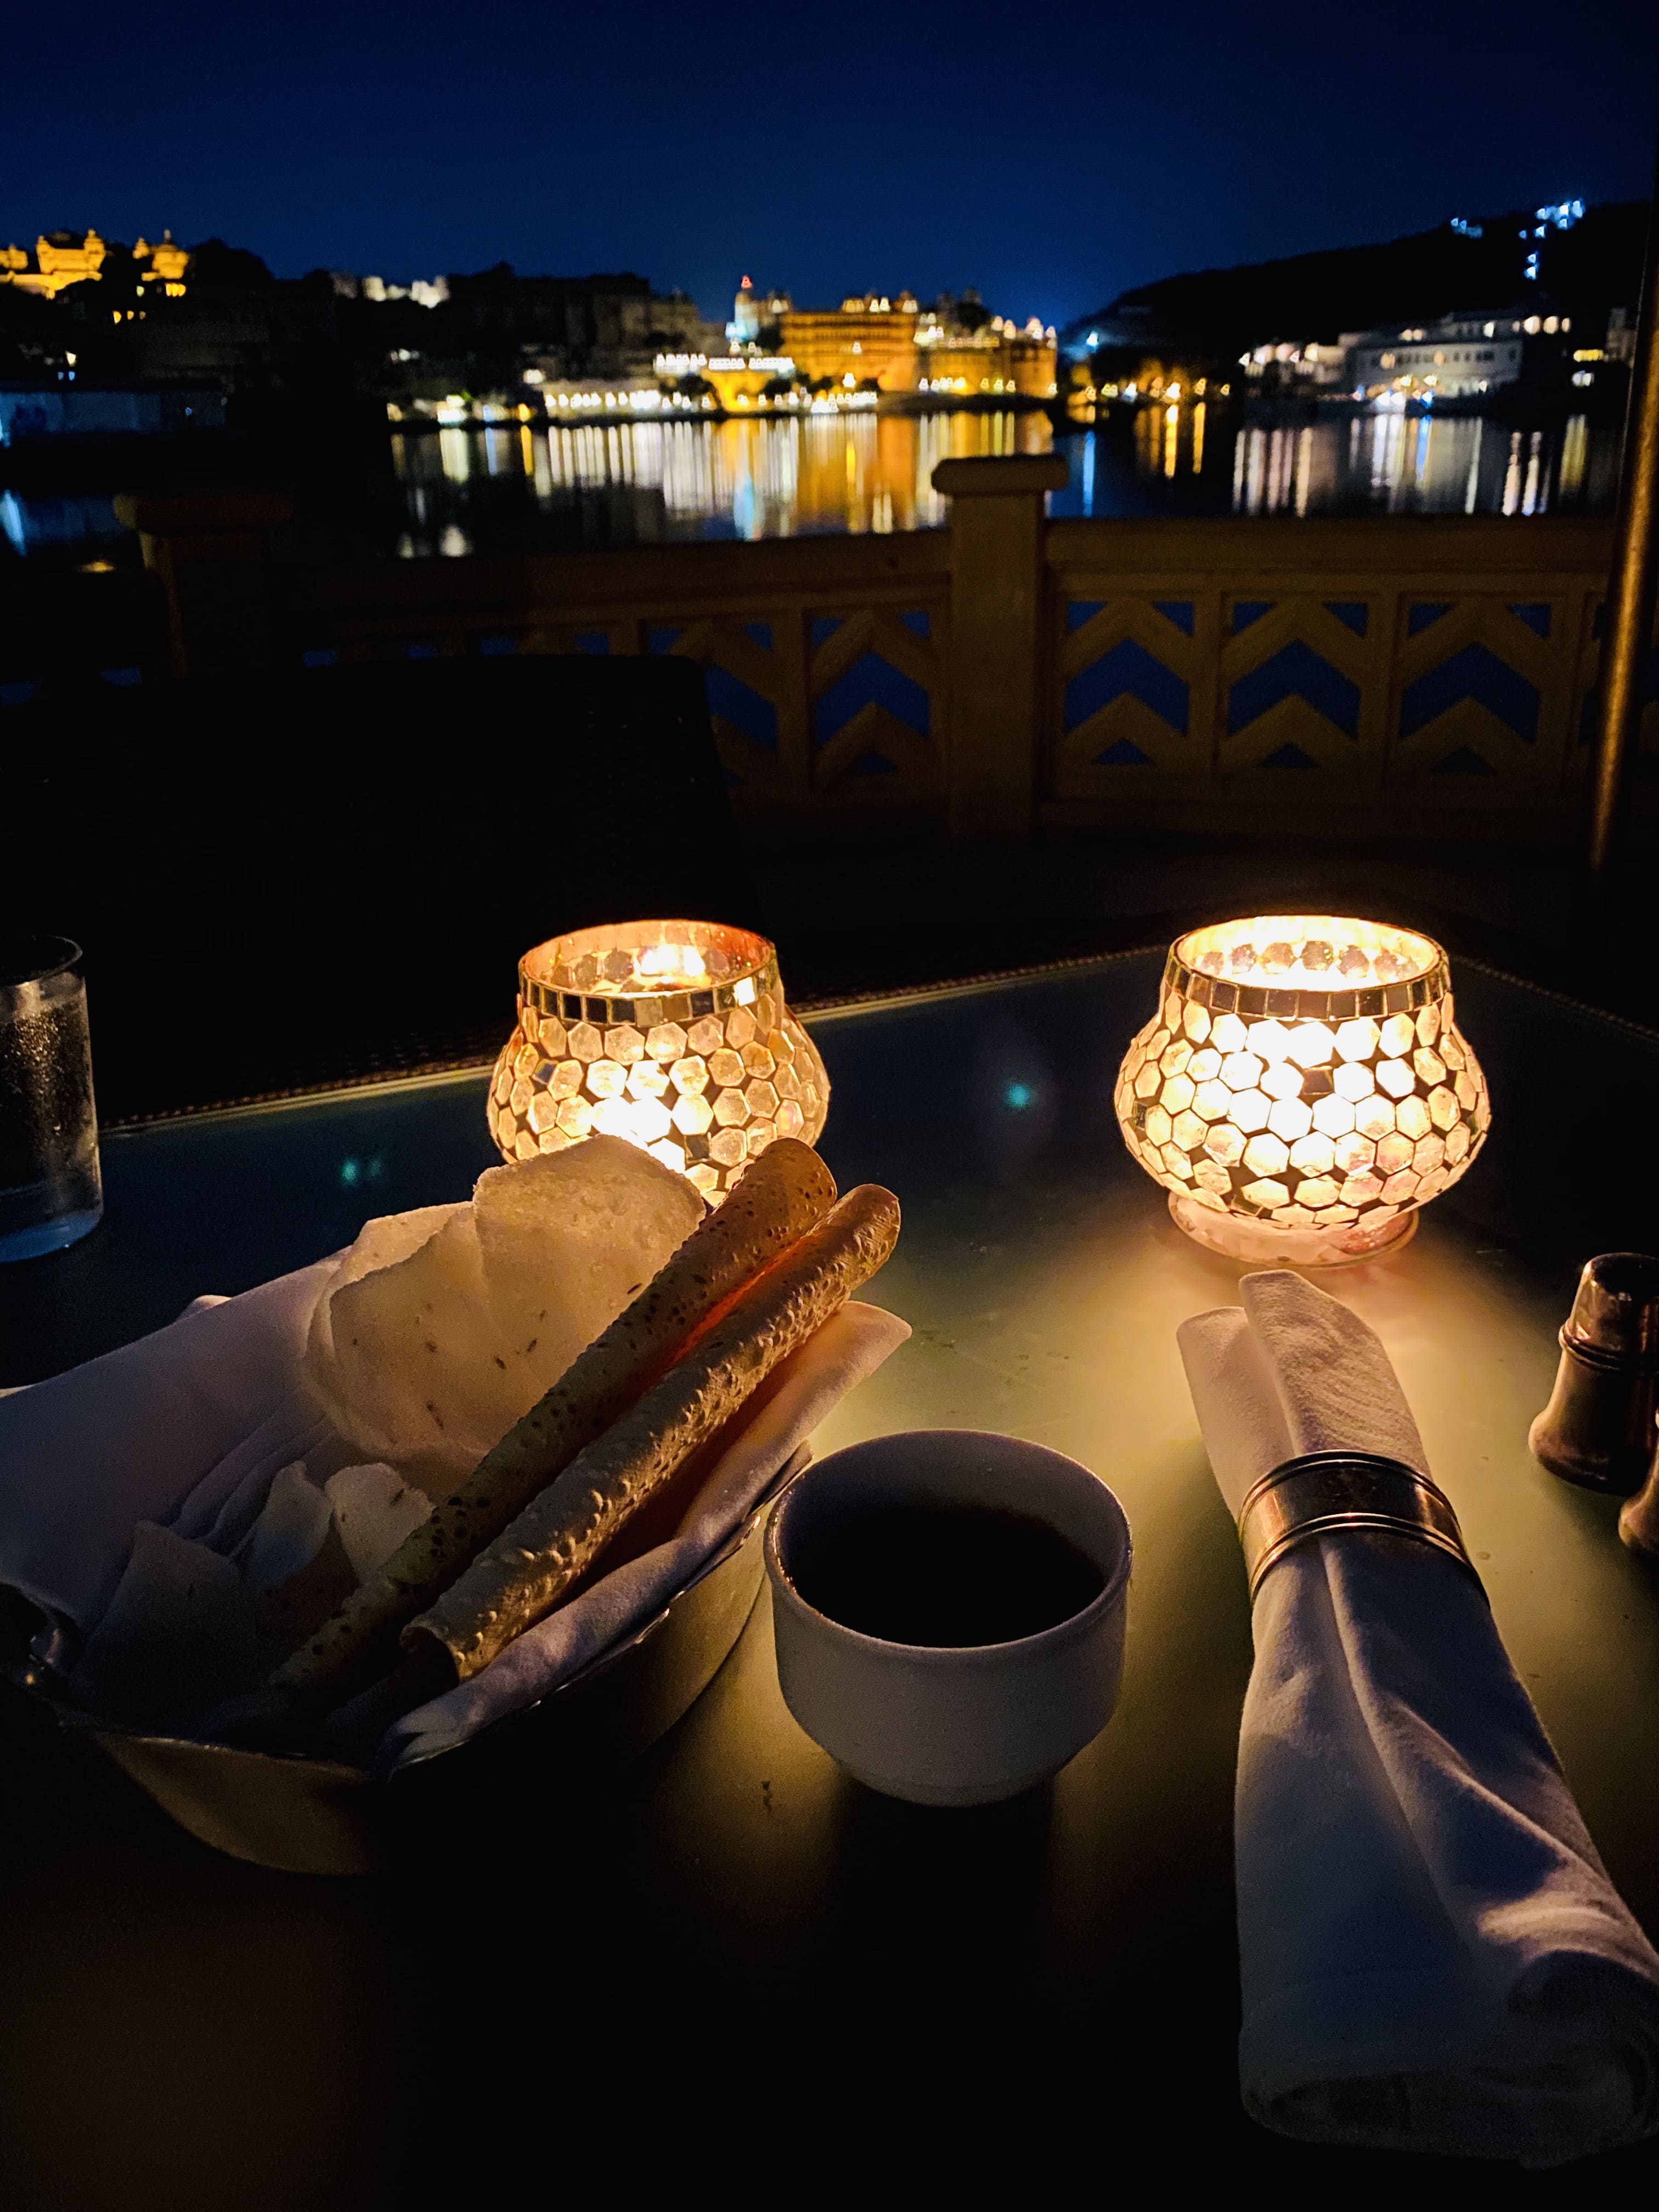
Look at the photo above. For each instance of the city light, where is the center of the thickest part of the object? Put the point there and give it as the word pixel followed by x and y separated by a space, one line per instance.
pixel 634 366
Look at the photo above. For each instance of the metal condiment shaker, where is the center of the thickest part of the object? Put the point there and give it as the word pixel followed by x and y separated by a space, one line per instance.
pixel 1598 1428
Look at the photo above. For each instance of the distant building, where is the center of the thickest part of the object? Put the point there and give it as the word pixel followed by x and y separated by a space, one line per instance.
pixel 754 313
pixel 61 259
pixel 169 266
pixel 1461 356
pixel 620 398
pixel 425 293
pixel 1308 365
pixel 740 379
pixel 678 325
pixel 871 340
pixel 995 356
pixel 889 342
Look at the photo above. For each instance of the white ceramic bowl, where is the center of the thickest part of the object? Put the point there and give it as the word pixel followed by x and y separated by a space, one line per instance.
pixel 958 1725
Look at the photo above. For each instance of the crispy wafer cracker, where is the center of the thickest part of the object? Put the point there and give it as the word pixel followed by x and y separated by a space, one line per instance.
pixel 782 1195
pixel 523 1574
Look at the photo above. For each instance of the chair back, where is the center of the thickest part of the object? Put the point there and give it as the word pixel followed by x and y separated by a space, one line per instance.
pixel 285 881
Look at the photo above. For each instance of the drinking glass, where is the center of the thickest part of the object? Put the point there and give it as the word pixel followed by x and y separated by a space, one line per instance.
pixel 51 1191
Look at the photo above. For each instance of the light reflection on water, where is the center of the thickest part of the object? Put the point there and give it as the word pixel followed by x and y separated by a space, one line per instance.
pixel 524 486
pixel 605 483
pixel 637 482
pixel 1401 465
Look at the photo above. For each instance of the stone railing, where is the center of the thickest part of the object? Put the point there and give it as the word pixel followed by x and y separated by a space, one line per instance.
pixel 1427 676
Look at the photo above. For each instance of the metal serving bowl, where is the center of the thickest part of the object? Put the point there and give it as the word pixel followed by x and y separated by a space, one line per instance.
pixel 316 1816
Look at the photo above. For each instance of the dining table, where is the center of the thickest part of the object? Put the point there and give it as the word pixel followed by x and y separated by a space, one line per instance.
pixel 728 1974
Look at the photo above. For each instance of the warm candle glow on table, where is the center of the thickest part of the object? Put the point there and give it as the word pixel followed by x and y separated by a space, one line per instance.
pixel 674 1035
pixel 1303 1089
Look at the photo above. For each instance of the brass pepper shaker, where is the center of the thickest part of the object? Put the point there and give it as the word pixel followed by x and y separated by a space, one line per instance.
pixel 1638 1518
pixel 1598 1427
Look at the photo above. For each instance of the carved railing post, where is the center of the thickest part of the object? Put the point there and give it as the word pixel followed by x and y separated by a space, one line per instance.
pixel 997 638
pixel 211 554
pixel 1635 570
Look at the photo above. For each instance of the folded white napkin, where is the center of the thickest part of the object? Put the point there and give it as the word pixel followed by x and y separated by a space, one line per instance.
pixel 1433 1957
pixel 147 1498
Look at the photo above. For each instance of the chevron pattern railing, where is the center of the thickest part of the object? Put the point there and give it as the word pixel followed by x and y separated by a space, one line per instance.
pixel 1430 674
pixel 825 659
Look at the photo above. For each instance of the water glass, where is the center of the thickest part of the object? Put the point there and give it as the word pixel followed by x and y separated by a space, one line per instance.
pixel 51 1191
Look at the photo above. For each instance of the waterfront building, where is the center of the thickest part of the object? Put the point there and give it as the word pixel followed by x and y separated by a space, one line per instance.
pixel 992 358
pixel 741 379
pixel 1300 365
pixel 867 341
pixel 1461 356
pixel 619 397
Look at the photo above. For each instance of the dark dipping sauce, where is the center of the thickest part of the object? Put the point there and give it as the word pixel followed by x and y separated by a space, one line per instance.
pixel 947 1576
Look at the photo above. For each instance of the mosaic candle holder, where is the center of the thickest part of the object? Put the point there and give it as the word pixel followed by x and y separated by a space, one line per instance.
pixel 1303 1089
pixel 672 1033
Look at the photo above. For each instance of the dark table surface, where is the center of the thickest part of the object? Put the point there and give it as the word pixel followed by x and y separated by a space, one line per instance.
pixel 736 1977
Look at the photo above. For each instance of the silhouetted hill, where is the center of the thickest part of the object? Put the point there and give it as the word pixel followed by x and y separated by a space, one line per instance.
pixel 1595 266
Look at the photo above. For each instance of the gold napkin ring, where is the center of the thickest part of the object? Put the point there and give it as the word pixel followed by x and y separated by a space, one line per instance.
pixel 1325 1491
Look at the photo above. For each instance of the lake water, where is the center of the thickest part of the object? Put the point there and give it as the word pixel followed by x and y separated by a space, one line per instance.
pixel 648 483
pixel 546 488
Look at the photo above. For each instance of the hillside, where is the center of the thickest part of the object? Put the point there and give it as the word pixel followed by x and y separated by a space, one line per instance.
pixel 1595 266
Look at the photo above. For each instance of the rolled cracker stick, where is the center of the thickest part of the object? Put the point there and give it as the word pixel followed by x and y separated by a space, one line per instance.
pixel 522 1575
pixel 787 1189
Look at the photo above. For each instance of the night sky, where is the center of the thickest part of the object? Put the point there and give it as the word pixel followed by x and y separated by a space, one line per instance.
pixel 1050 156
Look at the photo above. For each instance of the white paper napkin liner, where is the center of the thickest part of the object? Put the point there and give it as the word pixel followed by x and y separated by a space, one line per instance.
pixel 154 1431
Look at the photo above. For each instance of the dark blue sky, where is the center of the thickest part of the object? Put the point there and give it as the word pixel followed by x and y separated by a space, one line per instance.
pixel 1050 156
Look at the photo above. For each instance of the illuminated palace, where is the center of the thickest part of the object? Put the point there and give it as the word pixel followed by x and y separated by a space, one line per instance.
pixel 889 342
pixel 997 356
pixel 62 259
pixel 867 341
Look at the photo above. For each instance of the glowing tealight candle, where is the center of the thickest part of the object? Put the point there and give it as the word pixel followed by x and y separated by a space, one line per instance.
pixel 1302 1089
pixel 674 1035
